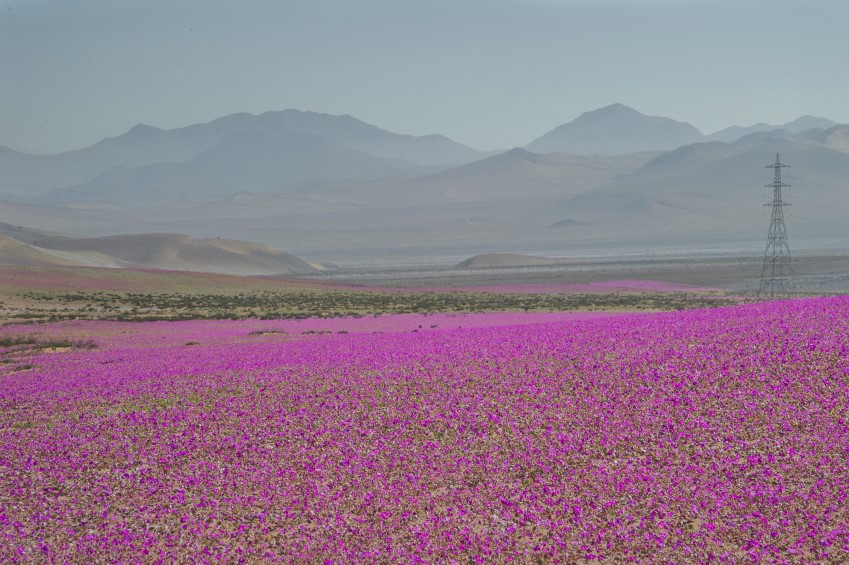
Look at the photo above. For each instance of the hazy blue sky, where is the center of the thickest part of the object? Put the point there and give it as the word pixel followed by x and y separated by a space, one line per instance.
pixel 488 73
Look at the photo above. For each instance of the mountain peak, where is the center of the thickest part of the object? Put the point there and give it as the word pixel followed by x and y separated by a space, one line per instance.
pixel 616 129
pixel 618 111
pixel 611 110
pixel 808 121
pixel 143 129
pixel 519 153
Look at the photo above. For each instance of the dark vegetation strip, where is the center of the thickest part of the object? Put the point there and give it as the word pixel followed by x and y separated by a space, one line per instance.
pixel 19 342
pixel 299 305
pixel 17 350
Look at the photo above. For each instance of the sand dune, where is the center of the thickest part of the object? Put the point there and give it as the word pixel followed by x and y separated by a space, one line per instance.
pixel 505 260
pixel 160 251
pixel 14 252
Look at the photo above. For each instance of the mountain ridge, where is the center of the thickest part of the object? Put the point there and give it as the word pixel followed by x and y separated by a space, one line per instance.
pixel 26 175
pixel 187 141
pixel 243 161
pixel 802 123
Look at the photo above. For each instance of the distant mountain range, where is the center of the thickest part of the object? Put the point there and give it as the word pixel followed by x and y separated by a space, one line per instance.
pixel 274 150
pixel 734 133
pixel 332 188
pixel 345 139
pixel 713 191
pixel 241 162
pixel 145 144
pixel 618 129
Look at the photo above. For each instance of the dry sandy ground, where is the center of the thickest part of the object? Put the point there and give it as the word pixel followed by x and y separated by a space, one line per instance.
pixel 22 288
pixel 812 274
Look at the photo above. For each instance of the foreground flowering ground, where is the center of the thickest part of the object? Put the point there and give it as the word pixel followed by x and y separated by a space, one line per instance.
pixel 700 436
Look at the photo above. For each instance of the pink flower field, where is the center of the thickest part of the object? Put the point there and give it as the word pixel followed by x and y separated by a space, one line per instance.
pixel 701 436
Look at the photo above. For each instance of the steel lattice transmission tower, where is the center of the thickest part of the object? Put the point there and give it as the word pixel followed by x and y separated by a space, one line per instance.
pixel 777 267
